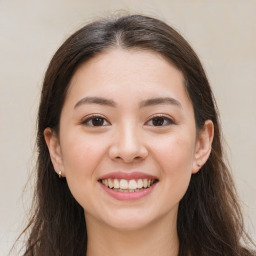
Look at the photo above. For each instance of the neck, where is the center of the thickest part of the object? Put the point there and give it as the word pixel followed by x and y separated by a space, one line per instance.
pixel 158 239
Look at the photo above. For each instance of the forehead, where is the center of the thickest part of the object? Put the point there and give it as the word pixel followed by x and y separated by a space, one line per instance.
pixel 123 73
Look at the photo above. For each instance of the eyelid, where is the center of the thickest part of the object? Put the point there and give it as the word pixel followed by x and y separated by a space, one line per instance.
pixel 88 118
pixel 164 116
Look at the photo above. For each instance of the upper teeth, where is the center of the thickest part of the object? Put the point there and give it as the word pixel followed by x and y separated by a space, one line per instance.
pixel 127 184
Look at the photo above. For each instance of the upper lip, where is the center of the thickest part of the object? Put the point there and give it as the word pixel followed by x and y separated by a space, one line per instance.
pixel 127 176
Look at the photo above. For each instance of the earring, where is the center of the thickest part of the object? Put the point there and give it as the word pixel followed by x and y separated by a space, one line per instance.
pixel 60 174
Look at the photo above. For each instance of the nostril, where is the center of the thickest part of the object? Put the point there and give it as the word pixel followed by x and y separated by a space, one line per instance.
pixel 127 149
pixel 128 158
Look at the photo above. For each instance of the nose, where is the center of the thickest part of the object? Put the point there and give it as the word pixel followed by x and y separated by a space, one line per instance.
pixel 128 146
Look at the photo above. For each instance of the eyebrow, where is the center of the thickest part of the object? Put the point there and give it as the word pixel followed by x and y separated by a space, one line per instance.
pixel 157 101
pixel 95 100
pixel 144 103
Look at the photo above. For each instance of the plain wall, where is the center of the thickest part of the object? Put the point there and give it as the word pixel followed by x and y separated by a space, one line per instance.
pixel 223 33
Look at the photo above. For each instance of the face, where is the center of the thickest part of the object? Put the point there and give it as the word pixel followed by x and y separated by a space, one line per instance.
pixel 127 143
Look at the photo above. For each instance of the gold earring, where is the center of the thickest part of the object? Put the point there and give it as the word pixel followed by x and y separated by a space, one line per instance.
pixel 60 176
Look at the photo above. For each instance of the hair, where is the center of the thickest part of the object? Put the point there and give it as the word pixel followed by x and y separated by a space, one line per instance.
pixel 209 217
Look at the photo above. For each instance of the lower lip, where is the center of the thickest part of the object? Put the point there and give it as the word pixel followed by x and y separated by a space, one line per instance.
pixel 128 195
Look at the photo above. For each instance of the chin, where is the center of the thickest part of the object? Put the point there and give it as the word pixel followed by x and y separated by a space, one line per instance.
pixel 128 224
pixel 129 219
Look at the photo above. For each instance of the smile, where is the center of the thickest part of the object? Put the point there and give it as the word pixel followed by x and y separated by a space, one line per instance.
pixel 128 185
pixel 123 185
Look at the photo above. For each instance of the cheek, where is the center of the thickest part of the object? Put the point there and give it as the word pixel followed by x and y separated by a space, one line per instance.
pixel 81 154
pixel 175 157
pixel 176 153
pixel 81 157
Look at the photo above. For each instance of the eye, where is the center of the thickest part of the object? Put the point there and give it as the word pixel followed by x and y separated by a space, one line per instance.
pixel 160 121
pixel 95 121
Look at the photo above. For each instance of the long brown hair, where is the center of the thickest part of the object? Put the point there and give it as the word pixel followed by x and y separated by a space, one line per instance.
pixel 209 217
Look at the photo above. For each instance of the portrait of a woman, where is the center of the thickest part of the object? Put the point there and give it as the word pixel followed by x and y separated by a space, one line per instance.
pixel 130 157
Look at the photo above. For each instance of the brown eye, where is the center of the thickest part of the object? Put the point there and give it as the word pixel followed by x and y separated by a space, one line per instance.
pixel 95 121
pixel 160 121
pixel 98 121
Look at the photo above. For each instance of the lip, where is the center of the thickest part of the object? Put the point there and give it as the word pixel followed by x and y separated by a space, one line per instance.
pixel 124 196
pixel 128 176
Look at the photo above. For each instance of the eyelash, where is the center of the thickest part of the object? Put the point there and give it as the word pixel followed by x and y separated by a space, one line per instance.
pixel 88 121
pixel 166 121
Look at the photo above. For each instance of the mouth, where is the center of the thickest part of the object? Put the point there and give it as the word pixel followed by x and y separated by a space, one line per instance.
pixel 128 186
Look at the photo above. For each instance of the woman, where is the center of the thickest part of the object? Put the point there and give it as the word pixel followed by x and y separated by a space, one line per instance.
pixel 130 156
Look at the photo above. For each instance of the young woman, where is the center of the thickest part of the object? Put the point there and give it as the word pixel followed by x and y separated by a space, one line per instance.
pixel 129 149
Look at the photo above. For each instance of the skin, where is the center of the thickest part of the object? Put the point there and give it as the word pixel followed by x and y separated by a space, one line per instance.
pixel 128 140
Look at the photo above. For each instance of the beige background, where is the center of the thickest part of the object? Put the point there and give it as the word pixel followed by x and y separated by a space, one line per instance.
pixel 222 32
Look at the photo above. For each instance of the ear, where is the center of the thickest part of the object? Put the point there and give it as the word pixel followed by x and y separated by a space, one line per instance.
pixel 54 148
pixel 203 145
